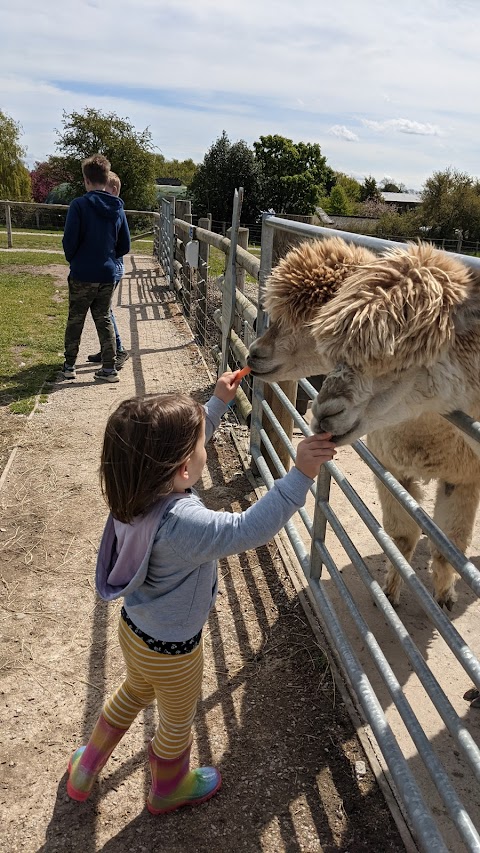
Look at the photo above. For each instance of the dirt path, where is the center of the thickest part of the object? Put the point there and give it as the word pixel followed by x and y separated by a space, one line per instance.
pixel 270 717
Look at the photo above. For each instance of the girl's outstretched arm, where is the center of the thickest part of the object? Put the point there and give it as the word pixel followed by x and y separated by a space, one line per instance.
pixel 210 535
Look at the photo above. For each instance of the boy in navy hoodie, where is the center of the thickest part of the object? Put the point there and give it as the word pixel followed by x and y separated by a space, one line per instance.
pixel 113 186
pixel 96 234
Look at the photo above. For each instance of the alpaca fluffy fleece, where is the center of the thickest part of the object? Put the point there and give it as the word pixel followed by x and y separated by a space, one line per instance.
pixel 308 276
pixel 395 312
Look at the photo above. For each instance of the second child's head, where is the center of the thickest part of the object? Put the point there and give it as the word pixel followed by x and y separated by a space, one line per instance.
pixel 95 170
pixel 114 184
pixel 152 447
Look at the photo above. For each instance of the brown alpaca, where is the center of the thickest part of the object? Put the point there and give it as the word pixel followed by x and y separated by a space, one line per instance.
pixel 400 339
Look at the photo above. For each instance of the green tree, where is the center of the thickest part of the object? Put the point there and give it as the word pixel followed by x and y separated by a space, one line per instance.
pixel 451 201
pixel 406 225
pixel 226 166
pixel 369 190
pixel 159 166
pixel 351 187
pixel 14 176
pixel 60 194
pixel 338 202
pixel 389 187
pixel 184 170
pixel 129 152
pixel 294 175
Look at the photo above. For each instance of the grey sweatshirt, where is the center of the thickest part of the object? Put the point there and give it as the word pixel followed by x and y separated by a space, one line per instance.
pixel 164 564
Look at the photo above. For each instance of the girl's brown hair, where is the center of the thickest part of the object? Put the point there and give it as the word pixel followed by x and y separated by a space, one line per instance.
pixel 146 440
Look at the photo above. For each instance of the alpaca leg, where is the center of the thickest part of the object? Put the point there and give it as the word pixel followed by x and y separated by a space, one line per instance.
pixel 402 529
pixel 455 510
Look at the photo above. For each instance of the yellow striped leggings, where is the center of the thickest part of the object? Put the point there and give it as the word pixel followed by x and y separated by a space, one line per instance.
pixel 175 681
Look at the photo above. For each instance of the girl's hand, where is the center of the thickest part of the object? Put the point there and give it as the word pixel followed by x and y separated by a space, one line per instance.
pixel 312 452
pixel 227 385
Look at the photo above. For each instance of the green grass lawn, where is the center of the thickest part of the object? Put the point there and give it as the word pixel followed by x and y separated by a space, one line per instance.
pixel 144 246
pixel 32 327
pixel 217 259
pixel 32 241
pixel 53 240
pixel 35 259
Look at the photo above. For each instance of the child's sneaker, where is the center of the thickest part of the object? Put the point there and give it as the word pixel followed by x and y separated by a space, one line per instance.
pixel 68 371
pixel 106 375
pixel 96 358
pixel 121 358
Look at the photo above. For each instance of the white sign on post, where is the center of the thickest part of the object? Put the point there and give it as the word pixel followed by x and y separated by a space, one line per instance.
pixel 191 253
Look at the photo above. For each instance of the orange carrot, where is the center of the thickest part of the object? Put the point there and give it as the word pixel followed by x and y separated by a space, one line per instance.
pixel 241 373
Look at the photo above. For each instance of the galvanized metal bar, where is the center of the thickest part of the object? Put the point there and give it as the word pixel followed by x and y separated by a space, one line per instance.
pixel 278 428
pixel 171 240
pixel 296 417
pixel 324 481
pixel 457 558
pixel 324 510
pixel 318 529
pixel 167 241
pixel 464 422
pixel 426 824
pixel 433 689
pixel 426 830
pixel 434 766
pixel 282 471
pixel 266 257
pixel 376 244
pixel 331 621
pixel 459 647
pixel 230 284
pixel 295 539
pixel 308 388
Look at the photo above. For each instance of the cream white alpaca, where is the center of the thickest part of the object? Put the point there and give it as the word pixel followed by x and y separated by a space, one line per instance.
pixel 399 336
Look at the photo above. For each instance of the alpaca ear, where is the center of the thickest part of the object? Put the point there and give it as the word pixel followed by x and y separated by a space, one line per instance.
pixel 396 313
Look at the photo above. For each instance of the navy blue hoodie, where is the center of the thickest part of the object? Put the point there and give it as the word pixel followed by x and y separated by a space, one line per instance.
pixel 96 234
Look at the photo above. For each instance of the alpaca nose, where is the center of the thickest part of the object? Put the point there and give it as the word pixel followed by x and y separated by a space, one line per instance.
pixel 255 352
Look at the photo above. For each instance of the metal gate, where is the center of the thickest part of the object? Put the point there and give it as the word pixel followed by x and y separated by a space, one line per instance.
pixel 426 775
pixel 166 237
pixel 446 821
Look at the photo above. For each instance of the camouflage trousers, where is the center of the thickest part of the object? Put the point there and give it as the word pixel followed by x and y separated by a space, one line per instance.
pixel 97 296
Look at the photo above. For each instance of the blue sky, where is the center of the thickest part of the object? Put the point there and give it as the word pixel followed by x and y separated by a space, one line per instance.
pixel 386 89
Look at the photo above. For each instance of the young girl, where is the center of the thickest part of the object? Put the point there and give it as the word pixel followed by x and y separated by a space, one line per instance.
pixel 159 551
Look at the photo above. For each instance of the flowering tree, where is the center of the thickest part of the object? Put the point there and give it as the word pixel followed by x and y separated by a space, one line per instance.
pixel 47 175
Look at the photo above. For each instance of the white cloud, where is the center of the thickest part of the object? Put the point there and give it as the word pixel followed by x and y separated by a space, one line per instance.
pixel 343 132
pixel 404 125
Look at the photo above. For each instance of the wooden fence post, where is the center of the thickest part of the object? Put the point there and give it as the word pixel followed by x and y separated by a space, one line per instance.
pixel 8 221
pixel 183 210
pixel 242 241
pixel 289 388
pixel 201 315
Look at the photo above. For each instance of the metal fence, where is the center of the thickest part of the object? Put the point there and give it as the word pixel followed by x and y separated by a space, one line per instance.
pixel 446 820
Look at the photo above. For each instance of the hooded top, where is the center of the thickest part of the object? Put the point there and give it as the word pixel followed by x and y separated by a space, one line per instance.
pixel 96 234
pixel 164 564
